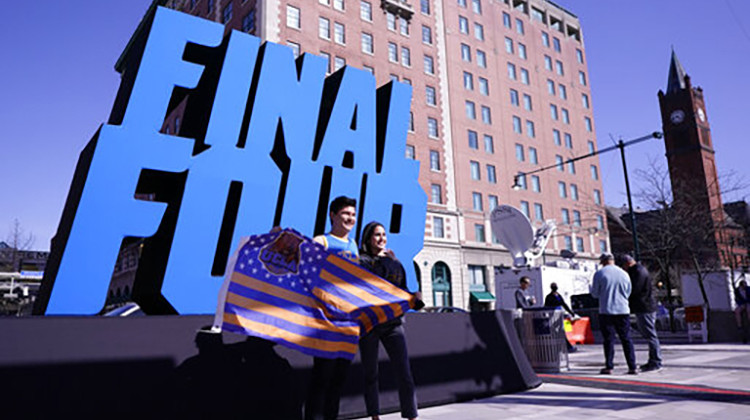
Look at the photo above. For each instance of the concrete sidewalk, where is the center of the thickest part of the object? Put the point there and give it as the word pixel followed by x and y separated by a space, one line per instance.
pixel 699 381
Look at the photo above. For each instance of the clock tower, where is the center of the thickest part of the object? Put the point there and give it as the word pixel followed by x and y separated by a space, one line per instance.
pixel 692 166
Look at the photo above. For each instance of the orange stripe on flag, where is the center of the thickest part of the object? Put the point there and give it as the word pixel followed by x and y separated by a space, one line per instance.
pixel 365 275
pixel 270 289
pixel 360 293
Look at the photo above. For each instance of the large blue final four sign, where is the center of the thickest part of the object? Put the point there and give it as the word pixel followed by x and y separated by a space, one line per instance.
pixel 265 140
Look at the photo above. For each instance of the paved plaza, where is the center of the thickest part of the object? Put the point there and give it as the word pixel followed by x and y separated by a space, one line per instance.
pixel 699 381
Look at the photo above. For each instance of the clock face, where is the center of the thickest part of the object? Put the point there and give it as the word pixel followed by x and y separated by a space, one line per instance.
pixel 701 115
pixel 677 116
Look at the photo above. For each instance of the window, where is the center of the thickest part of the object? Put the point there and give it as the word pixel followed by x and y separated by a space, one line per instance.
pixel 471 110
pixel 538 212
pixel 520 153
pixel 551 87
pixel 479 235
pixel 426 34
pixel 437 227
pixel 338 4
pixel 517 125
pixel 430 96
pixel 367 45
pixel 594 173
pixel 530 129
pixel 548 62
pixel 526 102
pixel 587 121
pixel 602 245
pixel 338 62
pixel 484 86
pixel 248 22
pixel 324 28
pixel 582 78
pixel 465 52
pixel 591 146
pixel 476 199
pixel 571 168
pixel 599 222
pixel 565 116
pixel 559 67
pixel 295 48
pixel 410 152
pixel 493 202
pixel 468 81
pixel 506 20
pixel 519 26
pixel 597 197
pixel 476 6
pixel 392 52
pixel 576 217
pixel 403 26
pixel 559 163
pixel 545 39
pixel 473 139
pixel 292 17
pixel 585 100
pixel 579 55
pixel 481 59
pixel 562 189
pixel 226 16
pixel 424 6
pixel 568 141
pixel 491 176
pixel 573 192
pixel 556 136
pixel 328 60
pixel 391 21
pixel 521 181
pixel 478 31
pixel 511 71
pixel 525 208
pixel 509 45
pixel 533 158
pixel 432 128
pixel 556 44
pixel 475 173
pixel 436 194
pixel 339 33
pixel 514 97
pixel 522 51
pixel 326 2
pixel 489 144
pixel 565 217
pixel 568 242
pixel 463 25
pixel 536 186
pixel 563 92
pixel 553 111
pixel 405 57
pixel 365 10
pixel 462 3
pixel 434 160
pixel 579 244
pixel 486 115
pixel 411 119
pixel 429 65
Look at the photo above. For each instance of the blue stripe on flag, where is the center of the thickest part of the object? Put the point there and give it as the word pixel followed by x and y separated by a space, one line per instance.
pixel 306 350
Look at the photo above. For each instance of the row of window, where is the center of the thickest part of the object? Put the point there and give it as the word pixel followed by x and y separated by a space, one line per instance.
pixel 466 56
pixel 477 175
pixel 471 112
pixel 463 27
pixel 476 5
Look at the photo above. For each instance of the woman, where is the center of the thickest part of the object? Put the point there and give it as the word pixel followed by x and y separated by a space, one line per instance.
pixel 375 258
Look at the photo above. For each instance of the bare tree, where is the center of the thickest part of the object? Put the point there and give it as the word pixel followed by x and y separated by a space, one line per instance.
pixel 18 240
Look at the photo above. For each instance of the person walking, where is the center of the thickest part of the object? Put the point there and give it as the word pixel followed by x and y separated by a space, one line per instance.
pixel 523 300
pixel 742 302
pixel 643 305
pixel 612 287
pixel 378 260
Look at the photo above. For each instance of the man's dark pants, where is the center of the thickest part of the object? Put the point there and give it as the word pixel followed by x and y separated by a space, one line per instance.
pixel 620 324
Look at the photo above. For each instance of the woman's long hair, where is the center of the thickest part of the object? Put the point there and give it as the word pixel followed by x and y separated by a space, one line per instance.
pixel 367 233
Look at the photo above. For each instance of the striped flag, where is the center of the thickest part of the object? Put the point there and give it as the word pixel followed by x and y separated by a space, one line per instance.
pixel 284 287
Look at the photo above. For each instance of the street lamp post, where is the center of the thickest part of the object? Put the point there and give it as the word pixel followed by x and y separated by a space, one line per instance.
pixel 620 145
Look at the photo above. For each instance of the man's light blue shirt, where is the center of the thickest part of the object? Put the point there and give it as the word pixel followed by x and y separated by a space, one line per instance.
pixel 612 287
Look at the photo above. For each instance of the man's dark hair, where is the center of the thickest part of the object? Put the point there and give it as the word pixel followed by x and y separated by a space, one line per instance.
pixel 525 280
pixel 342 201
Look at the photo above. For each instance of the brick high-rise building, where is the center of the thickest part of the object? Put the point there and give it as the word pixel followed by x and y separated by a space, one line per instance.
pixel 500 87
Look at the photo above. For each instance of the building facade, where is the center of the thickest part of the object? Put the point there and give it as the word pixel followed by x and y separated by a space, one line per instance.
pixel 500 88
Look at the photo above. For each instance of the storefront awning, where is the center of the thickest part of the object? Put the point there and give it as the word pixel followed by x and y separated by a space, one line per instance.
pixel 482 297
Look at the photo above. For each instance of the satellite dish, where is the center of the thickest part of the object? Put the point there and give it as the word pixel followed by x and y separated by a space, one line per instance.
pixel 513 230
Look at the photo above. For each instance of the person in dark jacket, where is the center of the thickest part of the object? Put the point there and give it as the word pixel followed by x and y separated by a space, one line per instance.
pixel 742 301
pixel 523 300
pixel 555 300
pixel 643 305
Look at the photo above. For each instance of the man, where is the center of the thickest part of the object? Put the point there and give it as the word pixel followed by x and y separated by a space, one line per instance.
pixel 742 301
pixel 524 301
pixel 612 287
pixel 328 375
pixel 555 300
pixel 643 305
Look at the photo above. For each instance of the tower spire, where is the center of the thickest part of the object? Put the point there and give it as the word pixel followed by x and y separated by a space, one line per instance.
pixel 676 79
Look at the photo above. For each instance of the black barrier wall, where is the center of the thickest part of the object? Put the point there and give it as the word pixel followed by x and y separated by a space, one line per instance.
pixel 160 366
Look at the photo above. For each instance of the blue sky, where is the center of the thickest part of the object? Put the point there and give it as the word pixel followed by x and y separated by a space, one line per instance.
pixel 57 84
